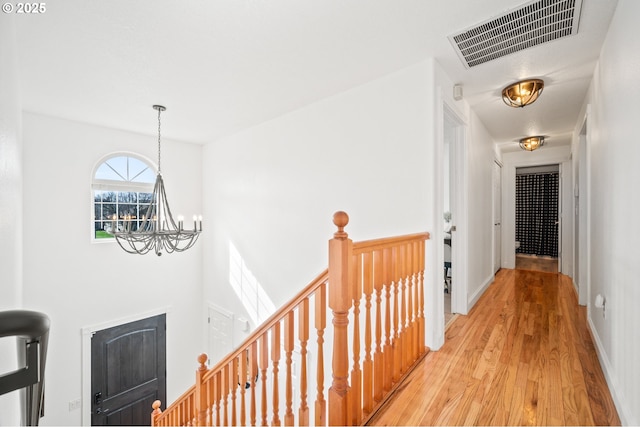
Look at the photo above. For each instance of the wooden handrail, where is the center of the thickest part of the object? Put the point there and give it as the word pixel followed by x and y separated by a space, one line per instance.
pixel 274 318
pixel 382 278
pixel 387 242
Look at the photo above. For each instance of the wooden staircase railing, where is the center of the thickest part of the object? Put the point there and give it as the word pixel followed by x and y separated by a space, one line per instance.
pixel 380 342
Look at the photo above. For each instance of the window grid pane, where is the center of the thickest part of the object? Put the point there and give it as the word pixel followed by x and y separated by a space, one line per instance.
pixel 110 214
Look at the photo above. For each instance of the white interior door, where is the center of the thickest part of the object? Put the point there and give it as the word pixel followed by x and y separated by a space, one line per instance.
pixel 220 332
pixel 497 216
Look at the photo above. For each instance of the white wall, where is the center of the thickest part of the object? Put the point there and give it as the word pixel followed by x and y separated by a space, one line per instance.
pixel 10 205
pixel 272 189
pixel 615 200
pixel 81 284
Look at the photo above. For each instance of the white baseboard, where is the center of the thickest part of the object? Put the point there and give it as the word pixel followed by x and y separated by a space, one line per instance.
pixel 619 400
pixel 477 294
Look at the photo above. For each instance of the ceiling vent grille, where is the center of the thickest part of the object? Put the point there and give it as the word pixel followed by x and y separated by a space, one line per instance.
pixel 530 25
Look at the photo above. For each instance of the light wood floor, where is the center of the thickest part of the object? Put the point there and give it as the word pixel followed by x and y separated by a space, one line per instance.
pixel 532 262
pixel 523 356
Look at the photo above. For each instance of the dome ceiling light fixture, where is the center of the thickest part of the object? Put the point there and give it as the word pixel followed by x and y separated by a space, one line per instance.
pixel 532 143
pixel 522 93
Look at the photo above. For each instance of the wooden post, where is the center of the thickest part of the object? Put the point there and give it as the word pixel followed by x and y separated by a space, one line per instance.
pixel 156 412
pixel 340 258
pixel 201 392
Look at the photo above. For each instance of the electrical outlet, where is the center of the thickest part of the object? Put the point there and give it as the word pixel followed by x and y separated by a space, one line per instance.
pixel 74 404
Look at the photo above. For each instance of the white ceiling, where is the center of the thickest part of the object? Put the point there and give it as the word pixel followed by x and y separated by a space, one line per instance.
pixel 220 66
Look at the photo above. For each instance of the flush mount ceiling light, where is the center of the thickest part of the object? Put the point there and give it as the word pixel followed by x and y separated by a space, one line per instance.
pixel 156 230
pixel 522 93
pixel 532 143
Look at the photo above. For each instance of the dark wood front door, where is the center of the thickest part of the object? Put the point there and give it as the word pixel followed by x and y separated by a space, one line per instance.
pixel 128 372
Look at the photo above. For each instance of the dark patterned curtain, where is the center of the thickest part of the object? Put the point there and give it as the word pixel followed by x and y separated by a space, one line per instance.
pixel 537 213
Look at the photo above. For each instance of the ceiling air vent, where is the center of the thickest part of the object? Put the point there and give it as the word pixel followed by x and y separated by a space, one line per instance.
pixel 530 25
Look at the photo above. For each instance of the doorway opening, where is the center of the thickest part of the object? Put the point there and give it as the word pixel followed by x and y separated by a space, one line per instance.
pixel 537 218
pixel 449 134
pixel 454 216
pixel 581 252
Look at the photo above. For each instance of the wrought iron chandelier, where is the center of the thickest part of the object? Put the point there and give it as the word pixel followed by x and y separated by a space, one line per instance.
pixel 157 231
pixel 522 93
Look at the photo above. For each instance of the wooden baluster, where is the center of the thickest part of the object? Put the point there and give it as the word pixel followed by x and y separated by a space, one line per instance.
pixel 253 374
pixel 210 400
pixel 225 393
pixel 201 392
pixel 275 361
pixel 174 416
pixel 218 394
pixel 340 250
pixel 184 419
pixel 264 364
pixel 320 298
pixel 388 338
pixel 378 357
pixel 414 319
pixel 397 342
pixel 356 373
pixel 410 316
pixel 421 263
pixel 156 412
pixel 303 337
pixel 234 377
pixel 191 410
pixel 409 288
pixel 402 267
pixel 289 326
pixel 367 365
pixel 243 388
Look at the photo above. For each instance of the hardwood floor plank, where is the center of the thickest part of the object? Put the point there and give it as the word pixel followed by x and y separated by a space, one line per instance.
pixel 523 356
pixel 519 410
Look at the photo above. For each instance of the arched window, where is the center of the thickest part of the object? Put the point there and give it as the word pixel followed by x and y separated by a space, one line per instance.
pixel 122 188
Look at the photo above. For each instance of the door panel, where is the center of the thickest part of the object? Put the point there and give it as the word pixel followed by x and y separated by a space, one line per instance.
pixel 128 371
pixel 220 334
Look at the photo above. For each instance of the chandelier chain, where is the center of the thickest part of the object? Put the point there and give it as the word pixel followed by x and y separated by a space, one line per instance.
pixel 159 168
